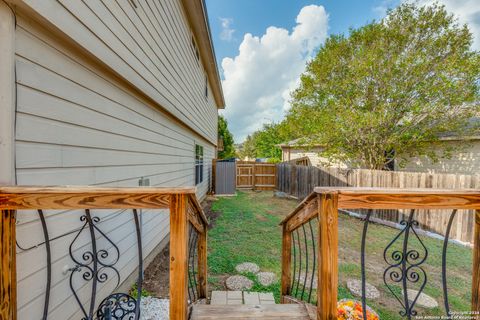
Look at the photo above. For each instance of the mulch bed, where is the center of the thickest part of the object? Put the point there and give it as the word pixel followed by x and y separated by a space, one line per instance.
pixel 156 276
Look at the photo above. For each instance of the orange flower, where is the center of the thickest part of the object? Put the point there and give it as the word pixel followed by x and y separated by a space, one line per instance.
pixel 352 310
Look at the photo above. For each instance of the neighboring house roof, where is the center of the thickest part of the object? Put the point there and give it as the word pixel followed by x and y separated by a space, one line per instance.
pixel 198 20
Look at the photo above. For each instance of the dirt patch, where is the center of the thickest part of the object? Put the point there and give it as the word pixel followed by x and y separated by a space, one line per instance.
pixel 156 276
pixel 207 208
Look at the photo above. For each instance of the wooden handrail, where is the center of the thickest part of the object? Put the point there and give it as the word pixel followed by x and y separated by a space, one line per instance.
pixel 73 197
pixel 184 209
pixel 385 198
pixel 324 203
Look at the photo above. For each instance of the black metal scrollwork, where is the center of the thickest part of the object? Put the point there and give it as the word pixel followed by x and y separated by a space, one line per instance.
pixel 117 306
pixel 94 265
pixel 404 266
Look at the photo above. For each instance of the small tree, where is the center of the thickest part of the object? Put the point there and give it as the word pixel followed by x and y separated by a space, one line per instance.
pixel 264 143
pixel 228 143
pixel 390 87
pixel 247 148
pixel 267 140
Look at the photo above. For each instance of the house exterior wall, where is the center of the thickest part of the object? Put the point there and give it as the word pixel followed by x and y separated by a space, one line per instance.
pixel 7 94
pixel 122 99
pixel 291 153
pixel 150 46
pixel 466 160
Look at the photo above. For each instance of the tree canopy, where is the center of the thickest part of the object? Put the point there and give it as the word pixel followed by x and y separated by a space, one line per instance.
pixel 228 143
pixel 264 143
pixel 390 87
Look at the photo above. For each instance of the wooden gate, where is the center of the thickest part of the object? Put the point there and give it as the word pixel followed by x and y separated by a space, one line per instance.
pixel 256 175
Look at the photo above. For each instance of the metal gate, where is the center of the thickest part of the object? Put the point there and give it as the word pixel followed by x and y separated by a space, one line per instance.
pixel 225 177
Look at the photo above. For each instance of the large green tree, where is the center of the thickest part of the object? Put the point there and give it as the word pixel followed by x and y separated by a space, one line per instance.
pixel 395 85
pixel 227 137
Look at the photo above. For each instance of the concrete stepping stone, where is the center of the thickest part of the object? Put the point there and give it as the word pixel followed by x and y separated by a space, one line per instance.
pixel 423 300
pixel 219 297
pixel 234 297
pixel 266 298
pixel 301 279
pixel 266 278
pixel 251 298
pixel 247 267
pixel 241 297
pixel 355 287
pixel 237 282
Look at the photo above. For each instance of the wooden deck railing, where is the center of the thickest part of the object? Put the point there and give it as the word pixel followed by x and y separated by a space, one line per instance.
pixel 188 239
pixel 320 210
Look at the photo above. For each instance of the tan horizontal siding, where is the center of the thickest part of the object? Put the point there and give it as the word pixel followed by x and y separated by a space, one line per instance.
pixel 78 125
pixel 465 159
pixel 103 34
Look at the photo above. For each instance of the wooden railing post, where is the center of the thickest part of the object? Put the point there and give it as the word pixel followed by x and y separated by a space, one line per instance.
pixel 476 265
pixel 8 278
pixel 328 256
pixel 286 262
pixel 202 264
pixel 178 257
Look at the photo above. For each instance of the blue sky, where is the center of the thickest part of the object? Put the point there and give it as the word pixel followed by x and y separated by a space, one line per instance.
pixel 262 47
pixel 254 16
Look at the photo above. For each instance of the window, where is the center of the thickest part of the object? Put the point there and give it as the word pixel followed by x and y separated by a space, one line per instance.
pixel 195 50
pixel 198 164
pixel 206 86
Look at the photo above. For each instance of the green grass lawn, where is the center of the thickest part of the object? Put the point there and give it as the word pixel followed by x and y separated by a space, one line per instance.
pixel 246 230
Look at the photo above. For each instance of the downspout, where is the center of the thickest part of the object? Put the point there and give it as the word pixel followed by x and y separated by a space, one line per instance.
pixel 7 95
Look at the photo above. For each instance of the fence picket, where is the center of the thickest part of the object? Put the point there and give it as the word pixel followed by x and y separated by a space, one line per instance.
pixel 300 181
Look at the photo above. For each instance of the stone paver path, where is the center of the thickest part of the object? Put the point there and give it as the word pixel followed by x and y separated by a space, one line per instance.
pixel 355 287
pixel 266 278
pixel 423 300
pixel 247 267
pixel 241 297
pixel 238 282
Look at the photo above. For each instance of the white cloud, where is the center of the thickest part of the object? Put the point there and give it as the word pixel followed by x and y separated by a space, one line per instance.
pixel 258 81
pixel 227 31
pixel 381 9
pixel 467 11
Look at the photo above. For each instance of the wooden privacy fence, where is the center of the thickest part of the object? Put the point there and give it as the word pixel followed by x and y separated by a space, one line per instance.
pixel 300 181
pixel 256 175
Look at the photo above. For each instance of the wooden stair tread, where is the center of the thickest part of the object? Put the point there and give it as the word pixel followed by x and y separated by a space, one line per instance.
pixel 266 312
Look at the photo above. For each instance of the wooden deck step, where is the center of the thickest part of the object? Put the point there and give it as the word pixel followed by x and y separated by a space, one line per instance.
pixel 264 312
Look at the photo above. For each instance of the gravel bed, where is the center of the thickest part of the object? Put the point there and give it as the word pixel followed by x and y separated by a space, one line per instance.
pixel 154 309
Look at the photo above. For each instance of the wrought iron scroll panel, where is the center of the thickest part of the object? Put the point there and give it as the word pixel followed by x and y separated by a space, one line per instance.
pixel 95 264
pixel 304 261
pixel 405 265
pixel 92 266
